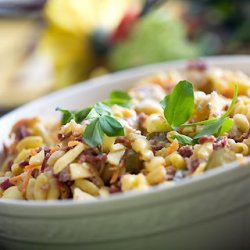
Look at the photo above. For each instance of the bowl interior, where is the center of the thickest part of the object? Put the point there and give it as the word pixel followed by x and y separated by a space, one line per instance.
pixel 84 94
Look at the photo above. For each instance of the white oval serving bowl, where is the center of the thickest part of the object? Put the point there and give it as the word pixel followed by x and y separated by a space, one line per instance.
pixel 210 211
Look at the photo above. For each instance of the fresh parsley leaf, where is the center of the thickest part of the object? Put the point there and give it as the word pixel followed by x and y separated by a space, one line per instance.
pixel 93 133
pixel 120 98
pixel 212 128
pixel 179 105
pixel 92 114
pixel 183 139
pixel 78 116
pixel 225 127
pixel 82 114
pixel 102 109
pixel 120 95
pixel 67 115
pixel 110 126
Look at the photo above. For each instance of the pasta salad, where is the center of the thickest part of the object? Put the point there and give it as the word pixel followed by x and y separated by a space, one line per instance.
pixel 160 131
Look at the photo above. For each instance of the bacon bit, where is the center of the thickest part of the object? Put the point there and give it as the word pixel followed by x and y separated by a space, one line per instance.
pixel 21 133
pixel 67 148
pixel 6 184
pixel 47 155
pixel 72 143
pixel 170 173
pixel 23 164
pixel 173 147
pixel 64 190
pixel 23 122
pixel 206 138
pixel 192 163
pixel 186 151
pixel 62 137
pixel 243 136
pixel 92 156
pixel 124 141
pixel 20 128
pixel 9 165
pixel 221 142
pixel 225 108
pixel 115 188
pixel 15 179
pixel 64 175
pixel 26 181
pixel 56 148
pixel 195 164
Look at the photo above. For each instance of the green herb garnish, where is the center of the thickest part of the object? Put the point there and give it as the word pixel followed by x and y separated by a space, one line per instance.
pixel 68 115
pixel 211 128
pixel 102 122
pixel 120 98
pixel 183 139
pixel 179 106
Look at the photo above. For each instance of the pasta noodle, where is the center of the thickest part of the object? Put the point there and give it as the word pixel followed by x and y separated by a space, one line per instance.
pixel 51 161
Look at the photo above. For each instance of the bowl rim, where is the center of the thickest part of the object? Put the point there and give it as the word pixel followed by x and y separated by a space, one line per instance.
pixel 187 181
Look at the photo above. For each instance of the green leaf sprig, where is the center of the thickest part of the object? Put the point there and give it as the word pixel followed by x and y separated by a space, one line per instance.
pixel 102 122
pixel 178 107
pixel 120 98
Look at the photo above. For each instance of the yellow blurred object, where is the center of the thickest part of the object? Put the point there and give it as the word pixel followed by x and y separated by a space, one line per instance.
pixel 81 17
pixel 38 59
pixel 71 57
pixel 67 39
pixel 25 74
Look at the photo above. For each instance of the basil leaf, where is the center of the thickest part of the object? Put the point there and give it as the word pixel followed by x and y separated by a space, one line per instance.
pixel 226 126
pixel 102 109
pixel 215 119
pixel 120 98
pixel 93 134
pixel 120 102
pixel 120 95
pixel 200 123
pixel 67 115
pixel 232 102
pixel 179 105
pixel 111 126
pixel 183 139
pixel 92 114
pixel 82 114
pixel 211 129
